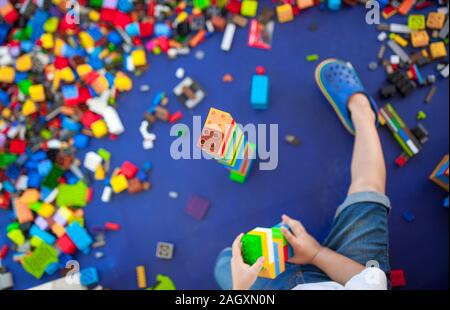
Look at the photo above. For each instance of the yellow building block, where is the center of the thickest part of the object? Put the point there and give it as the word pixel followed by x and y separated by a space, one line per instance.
pixel 24 63
pixel 139 58
pixel 94 15
pixel 36 242
pixel 83 69
pixel 100 173
pixel 435 20
pixel 59 44
pixel 399 39
pixel 37 93
pixel 438 50
pixel 46 210
pixel 28 108
pixel 47 41
pixel 119 183
pixel 6 113
pixel 420 38
pixel 7 74
pixel 100 84
pixel 123 82
pixel 66 74
pixel 86 40
pixel 99 128
pixel 285 13
pixel 66 213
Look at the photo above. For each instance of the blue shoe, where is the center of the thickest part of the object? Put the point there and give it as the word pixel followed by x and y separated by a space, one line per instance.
pixel 338 81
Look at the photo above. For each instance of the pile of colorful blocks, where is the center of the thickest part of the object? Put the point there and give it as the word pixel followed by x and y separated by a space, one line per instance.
pixel 223 139
pixel 269 243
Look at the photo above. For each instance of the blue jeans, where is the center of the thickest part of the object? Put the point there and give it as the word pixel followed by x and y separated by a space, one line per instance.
pixel 359 231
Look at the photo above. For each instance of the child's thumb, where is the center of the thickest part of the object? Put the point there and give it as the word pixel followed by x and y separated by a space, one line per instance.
pixel 256 268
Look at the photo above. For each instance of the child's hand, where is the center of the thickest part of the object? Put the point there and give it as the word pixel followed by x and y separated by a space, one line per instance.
pixel 304 245
pixel 244 276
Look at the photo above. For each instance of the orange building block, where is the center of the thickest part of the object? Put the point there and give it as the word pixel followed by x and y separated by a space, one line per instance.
pixel 420 38
pixel 406 6
pixel 435 20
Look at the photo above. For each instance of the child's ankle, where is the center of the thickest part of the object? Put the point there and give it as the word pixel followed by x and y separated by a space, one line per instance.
pixel 359 106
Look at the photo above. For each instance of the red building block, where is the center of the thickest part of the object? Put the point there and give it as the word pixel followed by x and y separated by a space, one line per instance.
pixel 398 278
pixel 175 117
pixel 146 29
pixel 108 15
pixel 112 226
pixel 401 160
pixel 88 118
pixel 17 146
pixel 128 170
pixel 3 251
pixel 66 245
pixel 234 7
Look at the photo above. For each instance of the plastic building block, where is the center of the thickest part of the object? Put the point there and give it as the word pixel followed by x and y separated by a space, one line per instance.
pixel 285 13
pixel 251 248
pixel 249 8
pixel 217 130
pixel 202 4
pixel 39 260
pixel 435 20
pixel 163 283
pixel 405 7
pixel 438 50
pixel 112 226
pixel 197 207
pixel 79 236
pixel 6 281
pixel 164 250
pixel 91 161
pixel 416 22
pixel 402 160
pixel 141 277
pixel 7 74
pixel 420 38
pixel 334 5
pixel 72 195
pixel 304 4
pixel 421 115
pixel 236 177
pixel 440 174
pixel 128 169
pixel 260 92
pixel 119 183
pixel 397 278
pixel 446 202
pixel 89 276
pixel 66 245
pixel 37 93
pixel 99 128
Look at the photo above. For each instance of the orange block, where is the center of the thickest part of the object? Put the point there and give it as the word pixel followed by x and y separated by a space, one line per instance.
pixel 23 213
pixel 197 39
pixel 406 6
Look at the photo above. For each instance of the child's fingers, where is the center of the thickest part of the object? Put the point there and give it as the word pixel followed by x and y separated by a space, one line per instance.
pixel 294 225
pixel 288 235
pixel 236 248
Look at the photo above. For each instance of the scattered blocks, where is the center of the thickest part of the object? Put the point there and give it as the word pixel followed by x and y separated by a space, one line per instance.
pixel 416 22
pixel 141 277
pixel 119 183
pixel 420 38
pixel 164 250
pixel 438 50
pixel 435 20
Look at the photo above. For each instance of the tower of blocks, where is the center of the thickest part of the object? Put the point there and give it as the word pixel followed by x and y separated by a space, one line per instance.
pixel 269 243
pixel 223 139
pixel 440 175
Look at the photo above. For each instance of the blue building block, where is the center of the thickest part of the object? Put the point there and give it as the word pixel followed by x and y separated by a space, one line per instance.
pixel 89 276
pixel 162 30
pixel 132 29
pixel 260 92
pixel 334 5
pixel 63 259
pixel 70 124
pixel 80 237
pixel 52 268
pixel 69 92
pixel 4 98
pixel 45 236
pixel 81 141
pixel 44 167
pixel 446 203
pixel 409 216
pixel 4 29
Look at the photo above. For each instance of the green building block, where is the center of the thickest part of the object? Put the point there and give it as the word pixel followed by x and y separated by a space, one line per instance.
pixel 278 234
pixel 416 22
pixel 96 3
pixel 24 86
pixel 104 154
pixel 251 248
pixel 236 177
pixel 35 206
pixel 163 283
pixel 7 159
pixel 313 57
pixel 202 4
pixel 39 260
pixel 72 195
pixel 249 8
pixel 51 180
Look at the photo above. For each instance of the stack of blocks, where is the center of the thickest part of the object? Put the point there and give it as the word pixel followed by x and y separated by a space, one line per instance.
pixel 223 139
pixel 260 92
pixel 269 243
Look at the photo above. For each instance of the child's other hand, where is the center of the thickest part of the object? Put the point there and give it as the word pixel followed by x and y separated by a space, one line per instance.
pixel 244 276
pixel 304 245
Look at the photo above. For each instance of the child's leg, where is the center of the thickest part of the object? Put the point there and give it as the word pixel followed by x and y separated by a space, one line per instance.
pixel 368 168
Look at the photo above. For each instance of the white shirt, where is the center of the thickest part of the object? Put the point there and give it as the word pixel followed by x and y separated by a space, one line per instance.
pixel 369 279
